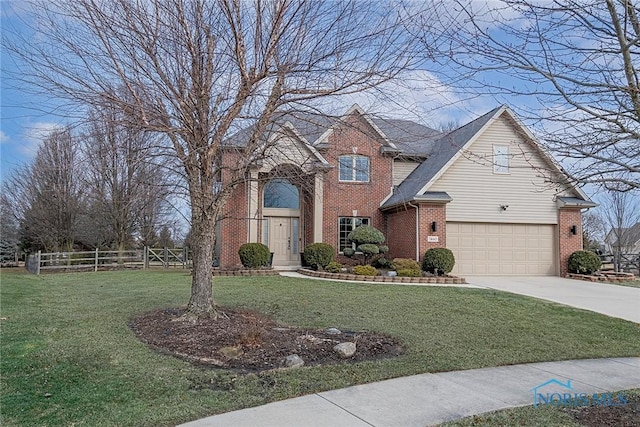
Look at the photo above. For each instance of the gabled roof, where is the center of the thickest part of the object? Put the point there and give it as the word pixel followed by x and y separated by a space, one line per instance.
pixel 442 152
pixel 399 136
pixel 630 236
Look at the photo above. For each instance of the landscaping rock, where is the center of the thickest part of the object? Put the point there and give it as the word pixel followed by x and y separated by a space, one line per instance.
pixel 293 361
pixel 231 352
pixel 345 349
pixel 334 331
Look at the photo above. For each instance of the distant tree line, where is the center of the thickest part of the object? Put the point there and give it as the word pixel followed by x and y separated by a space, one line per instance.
pixel 105 186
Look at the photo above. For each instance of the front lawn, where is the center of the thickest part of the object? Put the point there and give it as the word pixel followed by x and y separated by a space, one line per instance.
pixel 69 357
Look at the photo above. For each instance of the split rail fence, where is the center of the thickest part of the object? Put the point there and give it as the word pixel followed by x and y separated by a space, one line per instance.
pixel 109 260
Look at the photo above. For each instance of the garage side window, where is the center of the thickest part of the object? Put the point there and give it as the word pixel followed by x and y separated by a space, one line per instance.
pixel 500 159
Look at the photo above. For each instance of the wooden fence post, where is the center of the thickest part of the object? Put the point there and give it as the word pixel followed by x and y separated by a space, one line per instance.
pixel 166 258
pixel 38 259
pixel 95 266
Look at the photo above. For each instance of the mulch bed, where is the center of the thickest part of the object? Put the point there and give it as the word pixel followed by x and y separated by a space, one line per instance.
pixel 249 341
pixel 627 415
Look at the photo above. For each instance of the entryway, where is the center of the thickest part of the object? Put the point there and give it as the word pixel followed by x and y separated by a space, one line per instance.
pixel 284 240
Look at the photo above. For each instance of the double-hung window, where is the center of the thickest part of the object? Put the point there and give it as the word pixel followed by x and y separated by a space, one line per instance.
pixel 347 225
pixel 354 168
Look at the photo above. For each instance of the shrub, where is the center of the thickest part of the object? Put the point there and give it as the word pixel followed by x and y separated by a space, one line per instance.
pixel 333 267
pixel 365 270
pixel 319 255
pixel 382 262
pixel 254 255
pixel 383 249
pixel 409 272
pixel 438 261
pixel 348 252
pixel 584 262
pixel 366 234
pixel 405 264
pixel 369 249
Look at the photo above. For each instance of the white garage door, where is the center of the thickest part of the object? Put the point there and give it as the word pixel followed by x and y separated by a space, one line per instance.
pixel 502 249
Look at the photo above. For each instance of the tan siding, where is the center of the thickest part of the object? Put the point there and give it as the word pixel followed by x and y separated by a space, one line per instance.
pixel 402 169
pixel 478 192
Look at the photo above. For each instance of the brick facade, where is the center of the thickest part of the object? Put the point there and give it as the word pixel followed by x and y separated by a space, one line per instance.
pixel 401 233
pixel 343 199
pixel 568 242
pixel 430 213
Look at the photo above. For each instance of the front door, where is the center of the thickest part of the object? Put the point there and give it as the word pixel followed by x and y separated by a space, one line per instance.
pixel 283 240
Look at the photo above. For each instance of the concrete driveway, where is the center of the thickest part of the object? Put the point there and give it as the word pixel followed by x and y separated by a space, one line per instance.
pixel 615 301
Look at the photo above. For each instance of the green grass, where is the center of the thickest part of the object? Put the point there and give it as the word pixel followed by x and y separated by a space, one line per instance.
pixel 527 416
pixel 69 358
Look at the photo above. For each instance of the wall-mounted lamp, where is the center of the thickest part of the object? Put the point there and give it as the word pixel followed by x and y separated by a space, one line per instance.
pixel 504 207
pixel 434 226
pixel 574 229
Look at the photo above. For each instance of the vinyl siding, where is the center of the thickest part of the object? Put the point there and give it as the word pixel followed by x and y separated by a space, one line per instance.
pixel 478 192
pixel 402 169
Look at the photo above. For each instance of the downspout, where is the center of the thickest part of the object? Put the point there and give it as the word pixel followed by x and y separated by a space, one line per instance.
pixel 417 230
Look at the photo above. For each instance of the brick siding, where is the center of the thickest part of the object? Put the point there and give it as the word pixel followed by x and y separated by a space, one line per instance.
pixel 568 242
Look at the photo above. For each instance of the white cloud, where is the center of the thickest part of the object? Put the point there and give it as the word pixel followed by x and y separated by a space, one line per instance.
pixel 33 136
pixel 4 137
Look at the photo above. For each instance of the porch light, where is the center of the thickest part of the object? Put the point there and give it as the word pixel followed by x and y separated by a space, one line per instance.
pixel 574 229
pixel 434 226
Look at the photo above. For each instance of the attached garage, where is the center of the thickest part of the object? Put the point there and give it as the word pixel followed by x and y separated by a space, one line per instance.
pixel 492 249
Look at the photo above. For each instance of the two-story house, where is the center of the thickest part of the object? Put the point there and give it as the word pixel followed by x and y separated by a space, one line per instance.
pixel 481 190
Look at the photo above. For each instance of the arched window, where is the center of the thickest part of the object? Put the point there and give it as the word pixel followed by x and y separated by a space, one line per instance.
pixel 280 193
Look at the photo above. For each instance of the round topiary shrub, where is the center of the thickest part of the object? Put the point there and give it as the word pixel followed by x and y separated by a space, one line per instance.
pixel 382 262
pixel 383 249
pixel 365 270
pixel 254 255
pixel 438 261
pixel 366 234
pixel 584 262
pixel 369 249
pixel 319 255
pixel 348 252
pixel 333 267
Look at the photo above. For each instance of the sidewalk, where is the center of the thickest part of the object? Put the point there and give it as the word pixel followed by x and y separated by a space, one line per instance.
pixel 429 399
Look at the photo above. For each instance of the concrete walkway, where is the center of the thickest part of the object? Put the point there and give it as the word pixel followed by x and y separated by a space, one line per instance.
pixel 430 399
pixel 615 301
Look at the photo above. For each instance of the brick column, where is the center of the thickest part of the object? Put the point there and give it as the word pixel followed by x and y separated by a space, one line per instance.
pixel 568 242
pixel 430 213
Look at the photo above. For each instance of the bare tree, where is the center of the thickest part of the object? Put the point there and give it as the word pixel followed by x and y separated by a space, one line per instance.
pixel 197 71
pixel 593 231
pixel 45 196
pixel 125 187
pixel 622 214
pixel 575 62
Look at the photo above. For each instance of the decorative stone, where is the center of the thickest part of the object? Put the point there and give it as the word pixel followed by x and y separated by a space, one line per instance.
pixel 231 352
pixel 345 349
pixel 293 361
pixel 334 331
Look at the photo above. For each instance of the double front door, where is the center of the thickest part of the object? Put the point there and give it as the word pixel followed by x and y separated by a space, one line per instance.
pixel 284 240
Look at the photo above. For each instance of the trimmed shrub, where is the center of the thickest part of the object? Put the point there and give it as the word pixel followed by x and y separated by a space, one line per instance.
pixel 409 272
pixel 584 262
pixel 383 249
pixel 333 267
pixel 382 262
pixel 369 249
pixel 319 255
pixel 254 255
pixel 405 264
pixel 366 234
pixel 438 261
pixel 365 270
pixel 348 252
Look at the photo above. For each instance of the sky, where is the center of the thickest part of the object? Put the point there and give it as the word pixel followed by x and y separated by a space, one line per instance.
pixel 420 96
